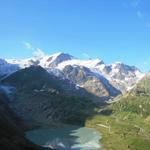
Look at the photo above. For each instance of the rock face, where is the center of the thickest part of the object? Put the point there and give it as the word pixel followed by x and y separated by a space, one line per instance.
pixel 92 82
pixel 93 75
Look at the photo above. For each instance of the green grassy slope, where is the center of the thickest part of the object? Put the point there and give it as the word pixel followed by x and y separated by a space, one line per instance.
pixel 127 127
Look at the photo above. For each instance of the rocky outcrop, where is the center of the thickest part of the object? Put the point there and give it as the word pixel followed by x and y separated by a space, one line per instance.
pixel 94 83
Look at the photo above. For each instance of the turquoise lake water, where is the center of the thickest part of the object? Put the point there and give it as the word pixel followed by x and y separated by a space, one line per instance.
pixel 66 138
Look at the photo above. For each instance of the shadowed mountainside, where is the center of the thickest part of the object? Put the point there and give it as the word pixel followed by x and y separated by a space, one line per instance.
pixel 44 98
pixel 11 134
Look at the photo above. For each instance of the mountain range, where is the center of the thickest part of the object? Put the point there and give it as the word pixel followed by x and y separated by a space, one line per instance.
pixel 102 80
pixel 61 89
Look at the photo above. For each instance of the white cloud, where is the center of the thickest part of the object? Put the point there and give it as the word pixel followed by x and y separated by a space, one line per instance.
pixel 28 45
pixel 38 53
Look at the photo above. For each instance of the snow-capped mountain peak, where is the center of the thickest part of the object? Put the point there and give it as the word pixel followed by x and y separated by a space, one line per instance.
pixel 58 58
pixel 120 75
pixel 91 63
pixel 45 61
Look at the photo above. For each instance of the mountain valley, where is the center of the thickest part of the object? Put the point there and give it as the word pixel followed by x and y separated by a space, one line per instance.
pixel 61 90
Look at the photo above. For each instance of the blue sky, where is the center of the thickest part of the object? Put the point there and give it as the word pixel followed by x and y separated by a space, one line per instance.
pixel 112 30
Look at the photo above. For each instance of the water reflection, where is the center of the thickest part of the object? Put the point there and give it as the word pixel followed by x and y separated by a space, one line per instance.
pixel 80 138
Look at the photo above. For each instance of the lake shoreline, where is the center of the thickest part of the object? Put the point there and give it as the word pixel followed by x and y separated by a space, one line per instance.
pixel 66 138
